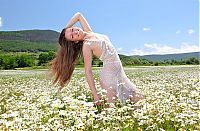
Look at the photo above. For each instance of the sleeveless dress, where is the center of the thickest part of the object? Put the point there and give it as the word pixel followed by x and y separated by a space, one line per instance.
pixel 112 74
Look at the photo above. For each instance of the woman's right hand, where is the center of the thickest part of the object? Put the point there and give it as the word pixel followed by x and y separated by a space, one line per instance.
pixel 97 99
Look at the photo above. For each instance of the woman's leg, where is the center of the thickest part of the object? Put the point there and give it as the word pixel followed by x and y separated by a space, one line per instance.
pixel 110 91
pixel 134 91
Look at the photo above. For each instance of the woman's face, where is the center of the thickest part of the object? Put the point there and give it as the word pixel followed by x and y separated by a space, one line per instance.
pixel 74 34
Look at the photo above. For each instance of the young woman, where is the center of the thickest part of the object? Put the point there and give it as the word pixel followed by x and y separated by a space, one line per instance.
pixel 75 42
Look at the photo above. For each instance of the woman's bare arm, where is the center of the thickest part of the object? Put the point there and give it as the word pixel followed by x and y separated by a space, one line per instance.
pixel 78 17
pixel 87 54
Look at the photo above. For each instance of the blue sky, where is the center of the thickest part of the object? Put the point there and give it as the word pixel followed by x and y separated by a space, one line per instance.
pixel 135 27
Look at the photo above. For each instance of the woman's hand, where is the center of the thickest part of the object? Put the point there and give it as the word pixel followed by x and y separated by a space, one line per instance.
pixel 97 99
pixel 73 20
pixel 78 17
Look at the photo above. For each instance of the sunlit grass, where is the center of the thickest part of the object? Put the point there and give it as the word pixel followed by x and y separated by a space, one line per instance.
pixel 28 100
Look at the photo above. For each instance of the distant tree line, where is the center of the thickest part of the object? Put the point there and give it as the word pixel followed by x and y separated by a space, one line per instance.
pixel 16 60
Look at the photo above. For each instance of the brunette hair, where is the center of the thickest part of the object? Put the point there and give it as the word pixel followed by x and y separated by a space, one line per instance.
pixel 63 65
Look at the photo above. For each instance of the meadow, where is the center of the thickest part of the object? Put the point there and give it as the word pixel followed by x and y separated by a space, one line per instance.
pixel 29 101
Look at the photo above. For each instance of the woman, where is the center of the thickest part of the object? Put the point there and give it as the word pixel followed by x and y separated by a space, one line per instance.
pixel 75 41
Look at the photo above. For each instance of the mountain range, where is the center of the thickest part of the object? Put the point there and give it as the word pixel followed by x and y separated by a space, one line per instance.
pixel 46 40
pixel 180 56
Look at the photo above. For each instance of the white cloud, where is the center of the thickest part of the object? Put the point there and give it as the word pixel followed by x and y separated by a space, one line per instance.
pixel 191 31
pixel 164 49
pixel 146 29
pixel 1 23
pixel 178 32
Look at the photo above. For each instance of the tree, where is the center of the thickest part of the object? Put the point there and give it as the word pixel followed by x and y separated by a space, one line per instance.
pixel 192 60
pixel 51 55
pixel 25 60
pixel 45 57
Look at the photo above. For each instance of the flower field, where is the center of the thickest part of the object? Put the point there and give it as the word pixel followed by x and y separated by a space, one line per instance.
pixel 29 101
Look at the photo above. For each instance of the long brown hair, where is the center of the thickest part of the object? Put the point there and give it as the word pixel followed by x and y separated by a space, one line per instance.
pixel 63 65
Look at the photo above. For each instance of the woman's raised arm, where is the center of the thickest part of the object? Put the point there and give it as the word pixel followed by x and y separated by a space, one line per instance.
pixel 79 17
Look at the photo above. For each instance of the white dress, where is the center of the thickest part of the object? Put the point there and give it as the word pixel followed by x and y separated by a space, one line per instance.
pixel 112 75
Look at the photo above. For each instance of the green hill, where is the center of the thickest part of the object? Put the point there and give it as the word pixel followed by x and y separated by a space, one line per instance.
pixel 28 41
pixel 165 57
pixel 30 35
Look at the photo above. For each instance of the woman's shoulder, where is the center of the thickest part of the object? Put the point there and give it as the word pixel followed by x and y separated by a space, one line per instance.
pixel 99 34
pixel 97 37
pixel 92 37
pixel 104 37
